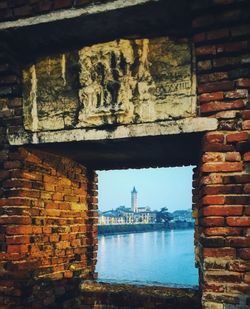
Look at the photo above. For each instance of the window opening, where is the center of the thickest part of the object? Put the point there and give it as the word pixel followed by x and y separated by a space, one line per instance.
pixel 145 226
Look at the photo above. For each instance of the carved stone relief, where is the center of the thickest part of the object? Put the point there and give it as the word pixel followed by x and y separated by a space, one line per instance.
pixel 118 82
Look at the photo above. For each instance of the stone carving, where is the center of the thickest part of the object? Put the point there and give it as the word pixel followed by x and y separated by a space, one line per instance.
pixel 128 81
pixel 118 82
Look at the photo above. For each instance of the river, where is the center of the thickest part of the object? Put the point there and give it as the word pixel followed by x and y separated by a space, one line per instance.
pixel 159 257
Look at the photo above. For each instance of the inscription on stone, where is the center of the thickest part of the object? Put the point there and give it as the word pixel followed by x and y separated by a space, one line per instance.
pixel 118 82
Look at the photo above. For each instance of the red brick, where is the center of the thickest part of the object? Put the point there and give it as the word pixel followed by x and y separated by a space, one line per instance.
pixel 14 240
pixel 216 86
pixel 36 229
pixel 26 175
pixel 222 231
pixel 220 106
pixel 212 221
pixel 217 147
pixel 224 210
pixel 237 137
pixel 61 4
pixel 15 220
pixel 17 248
pixel 222 167
pixel 18 230
pixel 237 199
pixel 238 221
pixel 17 183
pixel 233 156
pixel 214 137
pixel 247 188
pixel 219 252
pixel 205 50
pixel 68 274
pixel 243 82
pixel 244 178
pixel 213 199
pixel 245 114
pixel 23 193
pixel 244 253
pixel 222 189
pixel 239 242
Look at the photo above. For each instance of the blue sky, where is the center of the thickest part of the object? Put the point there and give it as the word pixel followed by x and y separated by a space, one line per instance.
pixel 157 188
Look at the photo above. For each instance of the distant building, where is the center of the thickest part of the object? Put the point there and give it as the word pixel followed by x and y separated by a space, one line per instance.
pixel 124 215
pixel 142 215
pixel 134 205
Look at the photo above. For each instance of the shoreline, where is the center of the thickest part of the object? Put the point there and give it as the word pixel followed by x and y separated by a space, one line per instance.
pixel 120 229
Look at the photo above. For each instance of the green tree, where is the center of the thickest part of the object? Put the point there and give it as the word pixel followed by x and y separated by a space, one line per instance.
pixel 164 216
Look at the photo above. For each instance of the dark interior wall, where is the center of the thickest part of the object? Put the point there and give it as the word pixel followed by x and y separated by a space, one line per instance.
pixel 12 10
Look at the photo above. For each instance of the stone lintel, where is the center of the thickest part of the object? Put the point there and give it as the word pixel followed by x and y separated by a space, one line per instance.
pixel 112 132
pixel 71 13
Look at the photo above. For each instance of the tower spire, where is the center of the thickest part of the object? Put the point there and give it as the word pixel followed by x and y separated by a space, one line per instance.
pixel 134 206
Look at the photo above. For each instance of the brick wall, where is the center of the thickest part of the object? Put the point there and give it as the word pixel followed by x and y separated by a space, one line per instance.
pixel 48 234
pixel 222 194
pixel 47 216
pixel 12 10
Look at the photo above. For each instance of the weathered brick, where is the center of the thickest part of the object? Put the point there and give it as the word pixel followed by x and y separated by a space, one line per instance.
pixel 244 253
pixel 18 230
pixel 216 86
pixel 223 189
pixel 238 241
pixel 214 137
pixel 213 199
pixel 233 156
pixel 224 210
pixel 219 252
pixel 220 106
pixel 243 82
pixel 222 167
pixel 212 221
pixel 247 188
pixel 244 178
pixel 237 137
pixel 245 114
pixel 238 221
pixel 223 231
pixel 237 200
pixel 20 248
pixel 213 157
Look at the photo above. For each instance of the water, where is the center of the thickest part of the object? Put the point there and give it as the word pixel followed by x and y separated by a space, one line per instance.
pixel 159 257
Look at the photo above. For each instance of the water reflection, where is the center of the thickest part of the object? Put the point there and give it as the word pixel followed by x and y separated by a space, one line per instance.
pixel 164 257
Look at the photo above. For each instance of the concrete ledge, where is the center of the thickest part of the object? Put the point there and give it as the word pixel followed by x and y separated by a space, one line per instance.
pixel 138 296
pixel 163 128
